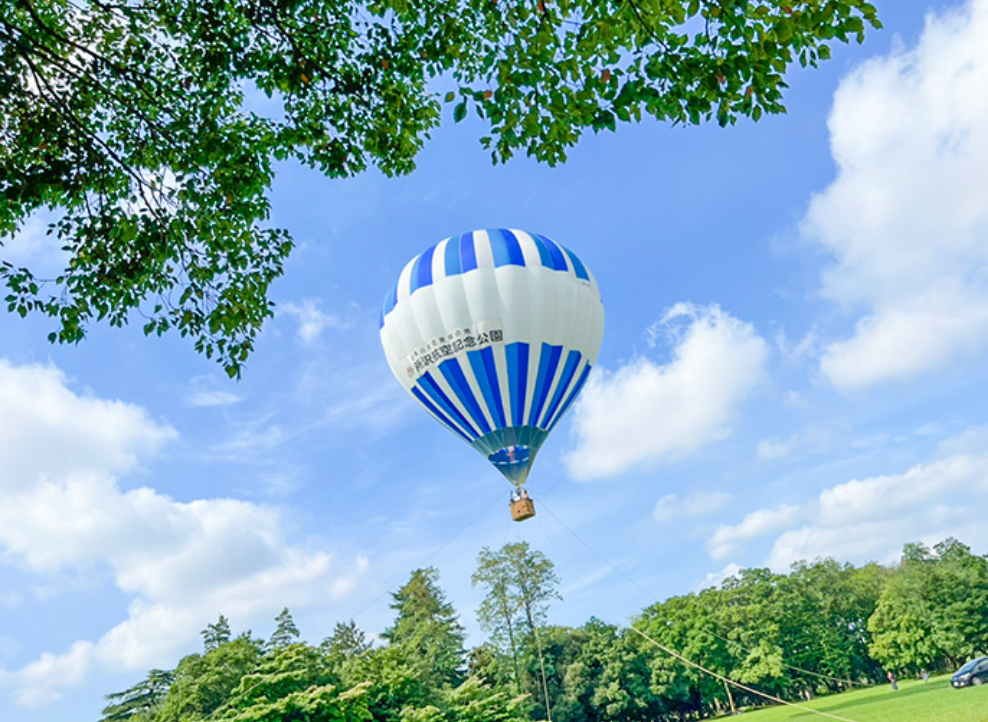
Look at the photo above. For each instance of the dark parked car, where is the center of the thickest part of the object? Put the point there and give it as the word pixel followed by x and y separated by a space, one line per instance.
pixel 974 672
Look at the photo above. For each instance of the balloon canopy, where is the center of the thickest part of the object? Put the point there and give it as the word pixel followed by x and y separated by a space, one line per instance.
pixel 494 332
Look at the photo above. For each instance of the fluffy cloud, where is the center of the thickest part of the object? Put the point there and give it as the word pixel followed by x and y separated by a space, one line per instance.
pixel 870 519
pixel 671 506
pixel 646 412
pixel 726 540
pixel 178 563
pixel 906 220
pixel 39 414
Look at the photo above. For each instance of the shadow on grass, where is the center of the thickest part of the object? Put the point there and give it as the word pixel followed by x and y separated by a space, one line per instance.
pixel 878 695
pixel 899 694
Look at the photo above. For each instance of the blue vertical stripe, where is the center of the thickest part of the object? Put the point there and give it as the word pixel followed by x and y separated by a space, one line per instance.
pixel 517 355
pixel 468 253
pixel 446 421
pixel 430 386
pixel 453 374
pixel 505 248
pixel 578 267
pixel 558 259
pixel 485 371
pixel 390 301
pixel 544 254
pixel 452 257
pixel 422 272
pixel 548 361
pixel 565 379
pixel 572 397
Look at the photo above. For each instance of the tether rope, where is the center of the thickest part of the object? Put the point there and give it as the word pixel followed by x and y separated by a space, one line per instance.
pixel 668 650
pixel 545 685
pixel 702 629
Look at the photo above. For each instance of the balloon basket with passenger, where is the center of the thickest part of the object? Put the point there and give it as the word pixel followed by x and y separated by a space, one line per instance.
pixel 522 506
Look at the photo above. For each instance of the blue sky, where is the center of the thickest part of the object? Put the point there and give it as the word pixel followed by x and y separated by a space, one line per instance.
pixel 792 367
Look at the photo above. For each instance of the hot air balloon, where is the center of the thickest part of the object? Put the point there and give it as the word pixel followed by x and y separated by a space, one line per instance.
pixel 494 333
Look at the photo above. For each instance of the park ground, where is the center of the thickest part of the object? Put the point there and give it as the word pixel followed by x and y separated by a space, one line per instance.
pixel 914 701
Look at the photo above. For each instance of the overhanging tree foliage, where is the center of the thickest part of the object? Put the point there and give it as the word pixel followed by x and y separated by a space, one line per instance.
pixel 136 123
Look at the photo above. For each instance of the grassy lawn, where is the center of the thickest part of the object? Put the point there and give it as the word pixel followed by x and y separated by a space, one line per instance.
pixel 935 701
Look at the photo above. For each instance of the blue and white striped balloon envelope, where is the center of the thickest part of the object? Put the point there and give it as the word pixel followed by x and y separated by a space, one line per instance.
pixel 494 332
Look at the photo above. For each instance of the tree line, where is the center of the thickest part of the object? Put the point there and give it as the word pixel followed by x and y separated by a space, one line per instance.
pixel 821 628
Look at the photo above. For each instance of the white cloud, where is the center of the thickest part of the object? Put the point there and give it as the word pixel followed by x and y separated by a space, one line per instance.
pixel 671 506
pixel 647 412
pixel 870 519
pixel 215 397
pixel 905 219
pixel 312 321
pixel 45 428
pixel 69 669
pixel 727 540
pixel 179 563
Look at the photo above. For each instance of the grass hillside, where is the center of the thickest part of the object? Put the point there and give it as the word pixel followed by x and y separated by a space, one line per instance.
pixel 935 701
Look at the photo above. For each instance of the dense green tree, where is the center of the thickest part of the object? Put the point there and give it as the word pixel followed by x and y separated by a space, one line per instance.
pixel 497 613
pixel 347 641
pixel 960 593
pixel 472 701
pixel 933 612
pixel 293 683
pixel 825 609
pixel 135 123
pixel 520 582
pixel 285 631
pixel 140 699
pixel 428 629
pixel 216 633
pixel 204 683
pixel 607 678
pixel 689 624
pixel 396 682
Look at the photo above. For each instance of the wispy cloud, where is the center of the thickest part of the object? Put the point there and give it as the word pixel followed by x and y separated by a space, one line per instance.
pixel 646 412
pixel 206 391
pixel 312 320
